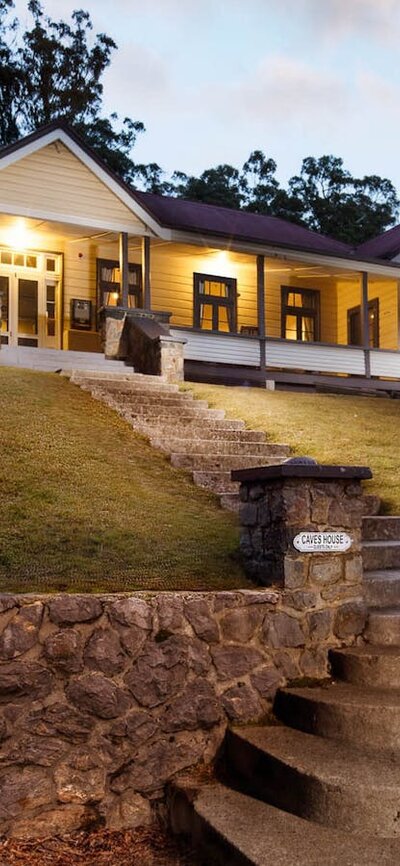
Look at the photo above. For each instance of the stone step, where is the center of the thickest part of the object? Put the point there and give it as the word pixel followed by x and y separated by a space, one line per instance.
pixel 330 783
pixel 383 627
pixel 202 433
pixel 368 718
pixel 231 829
pixel 216 482
pixel 230 501
pixel 381 528
pixel 378 555
pixel 174 412
pixel 159 399
pixel 199 446
pixel 224 463
pixel 124 376
pixel 372 666
pixel 123 389
pixel 189 426
pixel 382 588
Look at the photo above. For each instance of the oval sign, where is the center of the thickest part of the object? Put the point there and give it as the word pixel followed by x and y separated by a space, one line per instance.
pixel 322 542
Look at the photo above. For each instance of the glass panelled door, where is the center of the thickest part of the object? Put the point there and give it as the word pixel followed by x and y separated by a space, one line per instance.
pixel 28 316
pixel 30 290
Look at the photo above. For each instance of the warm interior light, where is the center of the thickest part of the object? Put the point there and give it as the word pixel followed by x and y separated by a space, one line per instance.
pixel 17 236
pixel 115 296
pixel 222 257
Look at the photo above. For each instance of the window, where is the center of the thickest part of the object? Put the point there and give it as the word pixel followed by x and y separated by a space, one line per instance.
pixel 109 284
pixel 214 303
pixel 300 314
pixel 354 332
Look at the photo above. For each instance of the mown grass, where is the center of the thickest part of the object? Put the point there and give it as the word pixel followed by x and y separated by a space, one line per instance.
pixel 88 505
pixel 331 428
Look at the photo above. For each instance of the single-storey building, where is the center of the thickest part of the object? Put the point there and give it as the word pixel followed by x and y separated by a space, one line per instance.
pixel 256 298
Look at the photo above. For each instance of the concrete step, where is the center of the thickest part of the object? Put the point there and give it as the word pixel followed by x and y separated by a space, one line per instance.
pixel 224 463
pixel 368 718
pixel 331 783
pixel 123 388
pixel 381 528
pixel 382 588
pixel 383 626
pixel 378 555
pixel 231 829
pixel 189 426
pixel 371 666
pixel 53 360
pixel 199 446
pixel 216 482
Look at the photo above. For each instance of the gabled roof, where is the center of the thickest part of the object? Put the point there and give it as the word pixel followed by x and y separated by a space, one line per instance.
pixel 208 219
pixel 163 214
pixel 384 246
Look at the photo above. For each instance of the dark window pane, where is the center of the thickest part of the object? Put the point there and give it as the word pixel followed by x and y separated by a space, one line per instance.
pixel 27 306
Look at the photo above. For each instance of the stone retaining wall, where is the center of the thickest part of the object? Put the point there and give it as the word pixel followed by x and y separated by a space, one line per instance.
pixel 105 698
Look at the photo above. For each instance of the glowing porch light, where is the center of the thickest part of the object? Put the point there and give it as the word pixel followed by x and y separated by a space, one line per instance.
pixel 17 236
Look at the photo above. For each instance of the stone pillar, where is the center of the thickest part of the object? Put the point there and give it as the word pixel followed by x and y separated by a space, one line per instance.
pixel 288 506
pixel 171 358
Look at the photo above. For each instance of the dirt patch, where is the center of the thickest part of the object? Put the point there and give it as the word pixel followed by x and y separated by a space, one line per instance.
pixel 143 847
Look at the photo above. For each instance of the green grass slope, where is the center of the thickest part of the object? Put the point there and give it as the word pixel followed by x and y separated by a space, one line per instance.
pixel 331 428
pixel 88 505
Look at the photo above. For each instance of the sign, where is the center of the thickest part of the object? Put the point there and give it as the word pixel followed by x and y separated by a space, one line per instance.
pixel 322 542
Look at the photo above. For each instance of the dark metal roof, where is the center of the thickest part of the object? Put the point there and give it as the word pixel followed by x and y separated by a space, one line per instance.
pixel 236 225
pixel 384 246
pixel 228 224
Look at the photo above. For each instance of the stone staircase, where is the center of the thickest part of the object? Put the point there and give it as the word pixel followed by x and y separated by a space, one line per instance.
pixel 199 439
pixel 320 786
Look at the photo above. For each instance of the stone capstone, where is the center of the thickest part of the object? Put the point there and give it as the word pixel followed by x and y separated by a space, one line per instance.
pixel 71 609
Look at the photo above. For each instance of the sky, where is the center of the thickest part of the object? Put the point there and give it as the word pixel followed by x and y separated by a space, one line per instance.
pixel 213 80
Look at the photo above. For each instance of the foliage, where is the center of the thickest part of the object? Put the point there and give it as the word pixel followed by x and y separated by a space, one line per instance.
pixel 323 197
pixel 54 70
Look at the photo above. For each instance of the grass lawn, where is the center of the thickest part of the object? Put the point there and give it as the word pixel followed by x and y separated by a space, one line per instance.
pixel 330 428
pixel 87 505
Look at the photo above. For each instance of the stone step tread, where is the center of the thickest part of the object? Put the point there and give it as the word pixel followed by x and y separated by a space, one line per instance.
pixel 335 763
pixel 179 446
pixel 221 463
pixel 246 832
pixel 386 542
pixel 187 423
pixel 374 652
pixel 347 695
pixel 201 434
pixel 382 574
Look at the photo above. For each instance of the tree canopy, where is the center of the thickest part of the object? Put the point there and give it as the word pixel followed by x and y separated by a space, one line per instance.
pixel 54 69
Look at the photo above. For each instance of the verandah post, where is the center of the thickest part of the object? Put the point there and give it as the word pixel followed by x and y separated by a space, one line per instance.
pixel 261 310
pixel 146 273
pixel 124 268
pixel 365 324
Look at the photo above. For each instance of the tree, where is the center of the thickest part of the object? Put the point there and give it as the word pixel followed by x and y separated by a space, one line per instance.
pixel 258 183
pixel 9 75
pixel 220 186
pixel 58 70
pixel 333 202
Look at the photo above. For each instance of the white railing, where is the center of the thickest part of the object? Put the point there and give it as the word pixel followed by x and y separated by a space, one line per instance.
pixel 386 364
pixel 286 354
pixel 220 348
pixel 315 357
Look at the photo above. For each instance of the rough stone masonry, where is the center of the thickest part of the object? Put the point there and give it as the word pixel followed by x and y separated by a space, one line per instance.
pixel 104 698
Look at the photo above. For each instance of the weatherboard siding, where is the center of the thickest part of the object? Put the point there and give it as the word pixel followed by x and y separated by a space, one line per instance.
pixel 349 296
pixel 54 183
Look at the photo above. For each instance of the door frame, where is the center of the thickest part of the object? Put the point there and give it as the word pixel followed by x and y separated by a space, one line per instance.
pixel 45 279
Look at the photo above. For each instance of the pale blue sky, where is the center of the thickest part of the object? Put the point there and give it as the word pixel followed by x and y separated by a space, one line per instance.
pixel 213 80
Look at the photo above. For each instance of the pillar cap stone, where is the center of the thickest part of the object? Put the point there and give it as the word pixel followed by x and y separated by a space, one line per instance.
pixel 301 470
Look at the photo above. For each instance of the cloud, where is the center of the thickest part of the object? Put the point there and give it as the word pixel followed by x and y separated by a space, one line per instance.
pixel 376 19
pixel 281 87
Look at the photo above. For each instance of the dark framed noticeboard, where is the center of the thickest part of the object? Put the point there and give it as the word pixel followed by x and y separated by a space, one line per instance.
pixel 81 314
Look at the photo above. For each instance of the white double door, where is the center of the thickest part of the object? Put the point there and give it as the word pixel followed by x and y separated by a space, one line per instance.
pixel 29 309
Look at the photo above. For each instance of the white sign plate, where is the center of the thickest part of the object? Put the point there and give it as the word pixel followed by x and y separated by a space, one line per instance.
pixel 322 542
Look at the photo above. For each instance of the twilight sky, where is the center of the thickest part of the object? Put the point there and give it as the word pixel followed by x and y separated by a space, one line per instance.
pixel 213 80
